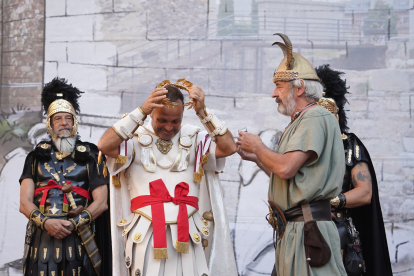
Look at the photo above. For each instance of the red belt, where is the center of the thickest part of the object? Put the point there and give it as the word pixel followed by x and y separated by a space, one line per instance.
pixel 158 195
pixel 53 185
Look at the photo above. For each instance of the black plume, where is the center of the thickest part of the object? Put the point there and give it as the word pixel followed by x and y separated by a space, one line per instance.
pixel 335 88
pixel 59 85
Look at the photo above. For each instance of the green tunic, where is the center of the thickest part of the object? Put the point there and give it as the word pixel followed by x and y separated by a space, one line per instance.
pixel 316 130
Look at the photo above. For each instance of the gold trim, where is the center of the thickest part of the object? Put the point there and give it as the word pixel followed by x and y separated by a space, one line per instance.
pixel 160 253
pixel 80 250
pixel 357 152
pixel 60 155
pixel 97 264
pixel 167 222
pixel 94 252
pixel 71 168
pixel 120 136
pixel 70 251
pixel 145 145
pixel 143 113
pixel 205 231
pixel 44 253
pixel 47 167
pixel 182 247
pixel 89 239
pixel 137 237
pixel 57 253
pixel 44 146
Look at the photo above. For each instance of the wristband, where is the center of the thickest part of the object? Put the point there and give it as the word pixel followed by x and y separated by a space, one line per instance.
pixel 219 127
pixel 339 201
pixel 85 217
pixel 38 218
pixel 126 127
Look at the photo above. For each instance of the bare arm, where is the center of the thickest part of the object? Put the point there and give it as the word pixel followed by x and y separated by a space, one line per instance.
pixel 110 141
pixel 225 145
pixel 284 165
pixel 55 227
pixel 99 204
pixel 362 193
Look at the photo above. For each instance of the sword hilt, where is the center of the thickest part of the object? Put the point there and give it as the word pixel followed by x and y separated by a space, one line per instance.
pixel 76 210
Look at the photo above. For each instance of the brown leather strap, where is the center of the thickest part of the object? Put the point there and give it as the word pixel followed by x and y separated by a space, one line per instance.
pixel 320 210
pixel 307 213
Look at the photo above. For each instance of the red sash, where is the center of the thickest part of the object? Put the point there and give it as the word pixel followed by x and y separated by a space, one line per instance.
pixel 158 195
pixel 53 185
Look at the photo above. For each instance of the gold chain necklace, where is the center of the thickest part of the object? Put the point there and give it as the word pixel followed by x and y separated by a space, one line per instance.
pixel 165 167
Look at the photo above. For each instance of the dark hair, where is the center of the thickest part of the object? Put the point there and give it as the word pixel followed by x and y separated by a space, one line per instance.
pixel 174 94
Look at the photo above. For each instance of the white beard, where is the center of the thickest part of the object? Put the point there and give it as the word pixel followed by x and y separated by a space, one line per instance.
pixel 65 145
pixel 288 106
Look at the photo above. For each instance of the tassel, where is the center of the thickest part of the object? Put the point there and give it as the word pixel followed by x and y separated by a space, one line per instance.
pixel 116 181
pixel 160 253
pixel 99 158
pixel 121 160
pixel 198 175
pixel 205 157
pixel 182 247
pixel 105 171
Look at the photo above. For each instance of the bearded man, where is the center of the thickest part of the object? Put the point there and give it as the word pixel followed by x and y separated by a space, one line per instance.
pixel 166 188
pixel 305 172
pixel 63 192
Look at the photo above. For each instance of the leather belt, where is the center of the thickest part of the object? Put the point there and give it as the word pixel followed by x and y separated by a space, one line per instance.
pixel 321 211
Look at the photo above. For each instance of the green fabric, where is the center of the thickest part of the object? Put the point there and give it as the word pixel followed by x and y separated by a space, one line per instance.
pixel 316 130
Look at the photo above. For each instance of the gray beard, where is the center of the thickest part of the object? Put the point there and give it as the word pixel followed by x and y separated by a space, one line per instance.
pixel 65 145
pixel 288 107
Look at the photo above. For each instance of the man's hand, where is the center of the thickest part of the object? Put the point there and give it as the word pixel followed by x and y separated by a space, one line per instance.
pixel 248 142
pixel 58 228
pixel 246 155
pixel 197 95
pixel 153 100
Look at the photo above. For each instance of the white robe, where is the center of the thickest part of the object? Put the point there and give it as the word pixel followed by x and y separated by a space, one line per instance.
pixel 135 180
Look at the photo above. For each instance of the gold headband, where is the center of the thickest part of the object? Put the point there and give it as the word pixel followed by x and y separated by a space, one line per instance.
pixel 182 84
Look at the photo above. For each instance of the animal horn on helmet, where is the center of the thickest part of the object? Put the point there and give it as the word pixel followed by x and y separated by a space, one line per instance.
pixel 282 46
pixel 289 55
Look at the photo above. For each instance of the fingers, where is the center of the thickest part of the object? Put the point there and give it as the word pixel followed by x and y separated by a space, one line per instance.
pixel 159 91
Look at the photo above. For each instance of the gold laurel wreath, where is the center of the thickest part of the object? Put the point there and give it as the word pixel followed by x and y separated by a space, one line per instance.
pixel 182 84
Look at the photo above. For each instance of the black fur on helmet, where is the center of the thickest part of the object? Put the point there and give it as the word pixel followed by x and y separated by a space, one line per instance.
pixel 59 85
pixel 335 88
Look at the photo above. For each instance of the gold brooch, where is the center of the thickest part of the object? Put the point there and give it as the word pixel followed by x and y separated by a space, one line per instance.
pixel 81 148
pixel 164 146
pixel 204 221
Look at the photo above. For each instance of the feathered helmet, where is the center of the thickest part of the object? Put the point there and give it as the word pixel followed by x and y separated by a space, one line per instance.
pixel 335 90
pixel 58 96
pixel 293 66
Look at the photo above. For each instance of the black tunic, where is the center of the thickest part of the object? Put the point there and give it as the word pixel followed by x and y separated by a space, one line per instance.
pixel 368 218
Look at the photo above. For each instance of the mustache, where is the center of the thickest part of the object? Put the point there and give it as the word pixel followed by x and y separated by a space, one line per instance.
pixel 278 100
pixel 64 128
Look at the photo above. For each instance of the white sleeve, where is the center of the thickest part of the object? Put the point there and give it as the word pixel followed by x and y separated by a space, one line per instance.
pixel 116 165
pixel 213 164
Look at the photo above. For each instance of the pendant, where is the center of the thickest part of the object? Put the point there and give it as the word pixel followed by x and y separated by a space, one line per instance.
pixel 164 146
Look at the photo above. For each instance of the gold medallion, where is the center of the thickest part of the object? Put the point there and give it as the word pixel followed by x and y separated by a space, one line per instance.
pixel 205 231
pixel 137 237
pixel 196 237
pixel 164 146
pixel 81 148
pixel 204 221
pixel 122 222
pixel 344 136
pixel 44 146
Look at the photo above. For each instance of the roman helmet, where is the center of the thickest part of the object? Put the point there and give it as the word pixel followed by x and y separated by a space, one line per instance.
pixel 58 96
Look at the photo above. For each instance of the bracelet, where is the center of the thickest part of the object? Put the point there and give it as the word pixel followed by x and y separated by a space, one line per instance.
pixel 126 127
pixel 85 217
pixel 219 127
pixel 339 201
pixel 38 218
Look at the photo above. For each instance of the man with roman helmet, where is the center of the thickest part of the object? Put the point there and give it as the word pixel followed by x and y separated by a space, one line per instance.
pixel 166 200
pixel 305 170
pixel 63 193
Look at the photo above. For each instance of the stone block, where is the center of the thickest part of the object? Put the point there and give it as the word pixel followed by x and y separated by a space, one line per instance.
pixel 55 8
pixel 84 77
pixel 391 107
pixel 121 26
pixel 95 103
pixel 99 53
pixel 379 80
pixel 408 140
pixel 77 7
pixel 127 5
pixel 51 71
pixel 73 28
pixel 56 52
